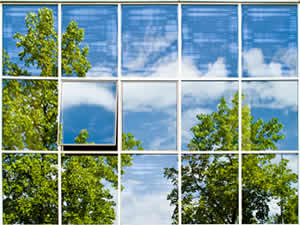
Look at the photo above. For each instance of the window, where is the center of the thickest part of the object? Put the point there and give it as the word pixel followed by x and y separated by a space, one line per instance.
pixel 149 112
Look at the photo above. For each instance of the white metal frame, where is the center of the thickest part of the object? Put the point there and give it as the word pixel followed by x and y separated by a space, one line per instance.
pixel 178 80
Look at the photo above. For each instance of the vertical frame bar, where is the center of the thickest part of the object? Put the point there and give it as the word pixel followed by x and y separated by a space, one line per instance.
pixel 1 74
pixel 179 89
pixel 59 72
pixel 298 93
pixel 240 108
pixel 119 102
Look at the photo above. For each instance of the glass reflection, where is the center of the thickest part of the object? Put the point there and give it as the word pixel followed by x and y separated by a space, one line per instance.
pixel 89 189
pixel 209 41
pixel 30 40
pixel 270 192
pixel 270 115
pixel 209 189
pixel 97 28
pixel 209 116
pixel 30 193
pixel 149 114
pixel 149 40
pixel 147 193
pixel 89 112
pixel 269 40
pixel 29 115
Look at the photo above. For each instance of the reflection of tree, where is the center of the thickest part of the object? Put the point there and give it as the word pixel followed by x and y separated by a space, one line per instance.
pixel 30 122
pixel 210 182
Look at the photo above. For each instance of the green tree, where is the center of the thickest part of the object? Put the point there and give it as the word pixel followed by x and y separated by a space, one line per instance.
pixel 210 182
pixel 30 122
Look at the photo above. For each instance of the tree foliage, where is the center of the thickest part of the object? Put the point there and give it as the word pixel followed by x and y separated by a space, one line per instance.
pixel 30 181
pixel 210 182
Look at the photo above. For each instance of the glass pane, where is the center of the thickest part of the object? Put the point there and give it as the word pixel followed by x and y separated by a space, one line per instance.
pixel 89 44
pixel 29 115
pixel 270 189
pixel 30 40
pixel 30 191
pixel 89 112
pixel 209 116
pixel 149 40
pixel 150 190
pixel 269 40
pixel 209 189
pixel 149 114
pixel 89 189
pixel 270 115
pixel 209 41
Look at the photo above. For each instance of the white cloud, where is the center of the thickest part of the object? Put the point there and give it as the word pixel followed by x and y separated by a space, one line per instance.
pixel 75 93
pixel 215 69
pixel 143 97
pixel 256 66
pixel 100 71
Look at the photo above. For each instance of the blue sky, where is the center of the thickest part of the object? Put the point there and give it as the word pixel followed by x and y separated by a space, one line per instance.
pixel 149 49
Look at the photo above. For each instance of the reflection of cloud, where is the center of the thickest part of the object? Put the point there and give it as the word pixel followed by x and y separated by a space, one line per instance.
pixel 143 97
pixel 275 95
pixel 89 12
pixel 75 93
pixel 100 71
pixel 215 69
pixel 255 64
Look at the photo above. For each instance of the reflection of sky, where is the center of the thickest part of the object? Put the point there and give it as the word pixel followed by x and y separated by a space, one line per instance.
pixel 144 199
pixel 209 40
pixel 202 97
pixel 100 29
pixel 268 100
pixel 149 40
pixel 149 113
pixel 13 22
pixel 270 40
pixel 89 106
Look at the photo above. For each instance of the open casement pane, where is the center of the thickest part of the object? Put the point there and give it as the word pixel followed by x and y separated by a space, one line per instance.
pixel 149 40
pixel 29 115
pixel 89 189
pixel 209 41
pixel 270 115
pixel 209 189
pixel 88 113
pixel 30 40
pixel 30 189
pixel 270 189
pixel 269 40
pixel 150 190
pixel 149 114
pixel 95 27
pixel 209 116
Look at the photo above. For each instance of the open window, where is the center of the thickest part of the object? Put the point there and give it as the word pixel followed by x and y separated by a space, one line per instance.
pixel 88 115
